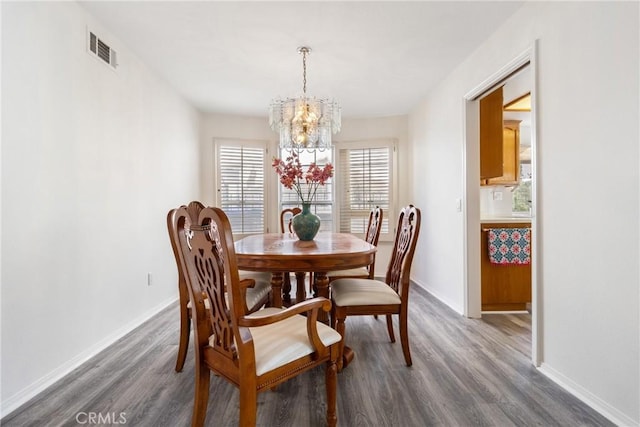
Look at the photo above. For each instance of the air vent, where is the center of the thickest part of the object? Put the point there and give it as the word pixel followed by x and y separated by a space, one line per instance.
pixel 102 50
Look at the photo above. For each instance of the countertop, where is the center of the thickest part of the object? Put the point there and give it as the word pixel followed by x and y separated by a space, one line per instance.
pixel 505 219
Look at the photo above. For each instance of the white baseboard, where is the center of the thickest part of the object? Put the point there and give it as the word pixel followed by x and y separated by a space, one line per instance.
pixel 23 396
pixel 602 407
pixel 445 301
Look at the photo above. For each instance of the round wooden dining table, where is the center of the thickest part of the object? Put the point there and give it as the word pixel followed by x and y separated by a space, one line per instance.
pixel 280 252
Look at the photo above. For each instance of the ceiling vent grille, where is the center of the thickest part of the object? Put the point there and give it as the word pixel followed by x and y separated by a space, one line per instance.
pixel 101 50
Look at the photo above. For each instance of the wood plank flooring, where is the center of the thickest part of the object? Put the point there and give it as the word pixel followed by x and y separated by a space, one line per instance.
pixel 466 372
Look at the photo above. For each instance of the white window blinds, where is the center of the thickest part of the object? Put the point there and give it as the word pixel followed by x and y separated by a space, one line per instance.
pixel 366 182
pixel 322 204
pixel 241 185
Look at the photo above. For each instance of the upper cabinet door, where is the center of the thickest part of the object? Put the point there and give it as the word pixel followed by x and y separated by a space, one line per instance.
pixel 510 155
pixel 491 134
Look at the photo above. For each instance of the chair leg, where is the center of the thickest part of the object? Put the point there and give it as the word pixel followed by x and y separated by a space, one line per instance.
pixel 404 337
pixel 183 344
pixel 332 316
pixel 331 384
pixel 340 318
pixel 312 285
pixel 248 404
pixel 286 287
pixel 392 337
pixel 301 290
pixel 201 398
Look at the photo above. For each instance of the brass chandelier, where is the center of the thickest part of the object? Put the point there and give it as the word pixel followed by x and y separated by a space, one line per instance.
pixel 305 122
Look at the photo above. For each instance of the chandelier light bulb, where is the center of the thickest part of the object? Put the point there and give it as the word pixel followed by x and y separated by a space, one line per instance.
pixel 302 139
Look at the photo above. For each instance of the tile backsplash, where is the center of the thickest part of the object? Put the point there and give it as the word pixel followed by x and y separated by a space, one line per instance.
pixel 495 201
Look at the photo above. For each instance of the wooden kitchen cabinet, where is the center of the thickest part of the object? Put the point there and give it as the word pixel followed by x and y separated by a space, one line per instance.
pixel 510 155
pixel 491 135
pixel 504 287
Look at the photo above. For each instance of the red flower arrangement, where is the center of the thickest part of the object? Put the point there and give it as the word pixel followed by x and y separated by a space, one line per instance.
pixel 292 176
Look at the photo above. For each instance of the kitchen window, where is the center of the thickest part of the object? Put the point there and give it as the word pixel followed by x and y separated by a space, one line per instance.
pixel 521 201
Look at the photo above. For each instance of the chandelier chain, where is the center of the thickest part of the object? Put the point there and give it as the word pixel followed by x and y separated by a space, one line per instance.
pixel 304 72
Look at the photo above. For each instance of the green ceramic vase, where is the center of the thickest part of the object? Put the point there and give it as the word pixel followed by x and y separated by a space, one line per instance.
pixel 306 224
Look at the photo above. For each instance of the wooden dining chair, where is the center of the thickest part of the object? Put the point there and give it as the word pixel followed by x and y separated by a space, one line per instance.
pixel 372 236
pixel 255 352
pixel 286 217
pixel 257 296
pixel 286 220
pixel 355 297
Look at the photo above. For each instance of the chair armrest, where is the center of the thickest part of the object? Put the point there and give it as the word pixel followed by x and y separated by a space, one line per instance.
pixel 247 283
pixel 244 285
pixel 310 306
pixel 307 306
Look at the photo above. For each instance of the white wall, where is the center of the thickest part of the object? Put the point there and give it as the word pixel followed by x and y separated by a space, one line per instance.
pixel 92 160
pixel 588 109
pixel 257 128
pixel 435 131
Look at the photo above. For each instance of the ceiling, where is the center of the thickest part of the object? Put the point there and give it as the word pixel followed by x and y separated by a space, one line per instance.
pixel 375 58
pixel 515 87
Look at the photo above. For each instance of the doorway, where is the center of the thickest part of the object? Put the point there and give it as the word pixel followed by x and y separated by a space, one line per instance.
pixel 472 194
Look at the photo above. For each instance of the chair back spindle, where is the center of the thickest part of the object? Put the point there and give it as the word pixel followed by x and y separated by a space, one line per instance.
pixel 209 257
pixel 399 269
pixel 374 226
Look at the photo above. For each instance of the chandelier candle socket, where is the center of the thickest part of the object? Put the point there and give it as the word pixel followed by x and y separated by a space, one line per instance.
pixel 305 122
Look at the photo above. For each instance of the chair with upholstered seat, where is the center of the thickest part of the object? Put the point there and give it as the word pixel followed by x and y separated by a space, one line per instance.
pixel 286 217
pixel 286 221
pixel 372 236
pixel 256 297
pixel 255 352
pixel 354 297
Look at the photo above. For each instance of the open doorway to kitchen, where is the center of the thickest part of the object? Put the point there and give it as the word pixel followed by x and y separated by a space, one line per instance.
pixel 505 198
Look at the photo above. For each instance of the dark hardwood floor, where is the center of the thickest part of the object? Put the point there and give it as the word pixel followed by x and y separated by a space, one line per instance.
pixel 466 372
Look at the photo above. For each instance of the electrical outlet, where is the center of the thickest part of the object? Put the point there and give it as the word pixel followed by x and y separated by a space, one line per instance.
pixel 149 279
pixel 497 195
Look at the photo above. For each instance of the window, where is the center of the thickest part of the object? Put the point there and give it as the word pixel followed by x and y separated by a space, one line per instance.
pixel 365 180
pixel 323 201
pixel 521 202
pixel 240 167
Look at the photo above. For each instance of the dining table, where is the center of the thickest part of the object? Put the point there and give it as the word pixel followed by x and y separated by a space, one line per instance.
pixel 278 253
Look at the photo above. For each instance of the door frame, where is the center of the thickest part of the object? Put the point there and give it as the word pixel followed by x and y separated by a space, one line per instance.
pixel 471 194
